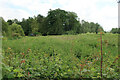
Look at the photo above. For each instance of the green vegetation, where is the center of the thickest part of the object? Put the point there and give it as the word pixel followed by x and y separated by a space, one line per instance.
pixel 11 31
pixel 115 30
pixel 57 22
pixel 65 56
pixel 62 47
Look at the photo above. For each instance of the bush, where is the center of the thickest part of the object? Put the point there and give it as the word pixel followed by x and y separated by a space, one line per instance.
pixel 16 30
pixel 36 34
pixel 15 35
pixel 70 32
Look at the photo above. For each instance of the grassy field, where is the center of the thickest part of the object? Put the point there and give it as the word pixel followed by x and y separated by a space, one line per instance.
pixel 65 56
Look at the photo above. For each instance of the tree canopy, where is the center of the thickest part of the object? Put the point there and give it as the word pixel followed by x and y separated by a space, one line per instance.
pixel 115 30
pixel 57 22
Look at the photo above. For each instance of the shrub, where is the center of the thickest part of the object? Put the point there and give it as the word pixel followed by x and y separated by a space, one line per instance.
pixel 70 32
pixel 16 30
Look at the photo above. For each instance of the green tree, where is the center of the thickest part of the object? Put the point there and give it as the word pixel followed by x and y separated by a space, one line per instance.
pixel 73 23
pixel 40 20
pixel 10 22
pixel 90 27
pixel 5 26
pixel 57 22
pixel 54 23
pixel 26 25
pixel 60 21
pixel 34 26
pixel 16 30
pixel 115 30
pixel 98 28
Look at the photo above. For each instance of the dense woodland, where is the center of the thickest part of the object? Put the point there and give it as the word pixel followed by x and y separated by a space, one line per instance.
pixel 57 22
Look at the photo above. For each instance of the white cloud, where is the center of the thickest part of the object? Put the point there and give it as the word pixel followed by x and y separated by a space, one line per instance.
pixel 89 10
pixel 8 13
pixel 101 11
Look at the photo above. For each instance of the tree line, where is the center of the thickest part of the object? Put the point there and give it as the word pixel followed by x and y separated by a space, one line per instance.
pixel 115 30
pixel 57 22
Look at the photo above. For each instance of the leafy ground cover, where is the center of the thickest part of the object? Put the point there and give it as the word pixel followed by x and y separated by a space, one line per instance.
pixel 56 57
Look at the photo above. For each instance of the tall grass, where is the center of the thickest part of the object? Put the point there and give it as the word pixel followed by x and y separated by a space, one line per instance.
pixel 68 56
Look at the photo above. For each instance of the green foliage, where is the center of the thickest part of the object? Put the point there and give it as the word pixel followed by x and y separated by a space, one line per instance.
pixel 60 22
pixel 16 30
pixel 54 22
pixel 66 56
pixel 70 32
pixel 10 22
pixel 57 22
pixel 5 26
pixel 40 21
pixel 91 27
pixel 26 25
pixel 115 30
pixel 32 25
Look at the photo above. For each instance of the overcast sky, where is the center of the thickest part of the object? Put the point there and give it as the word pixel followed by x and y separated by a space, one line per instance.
pixel 104 12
